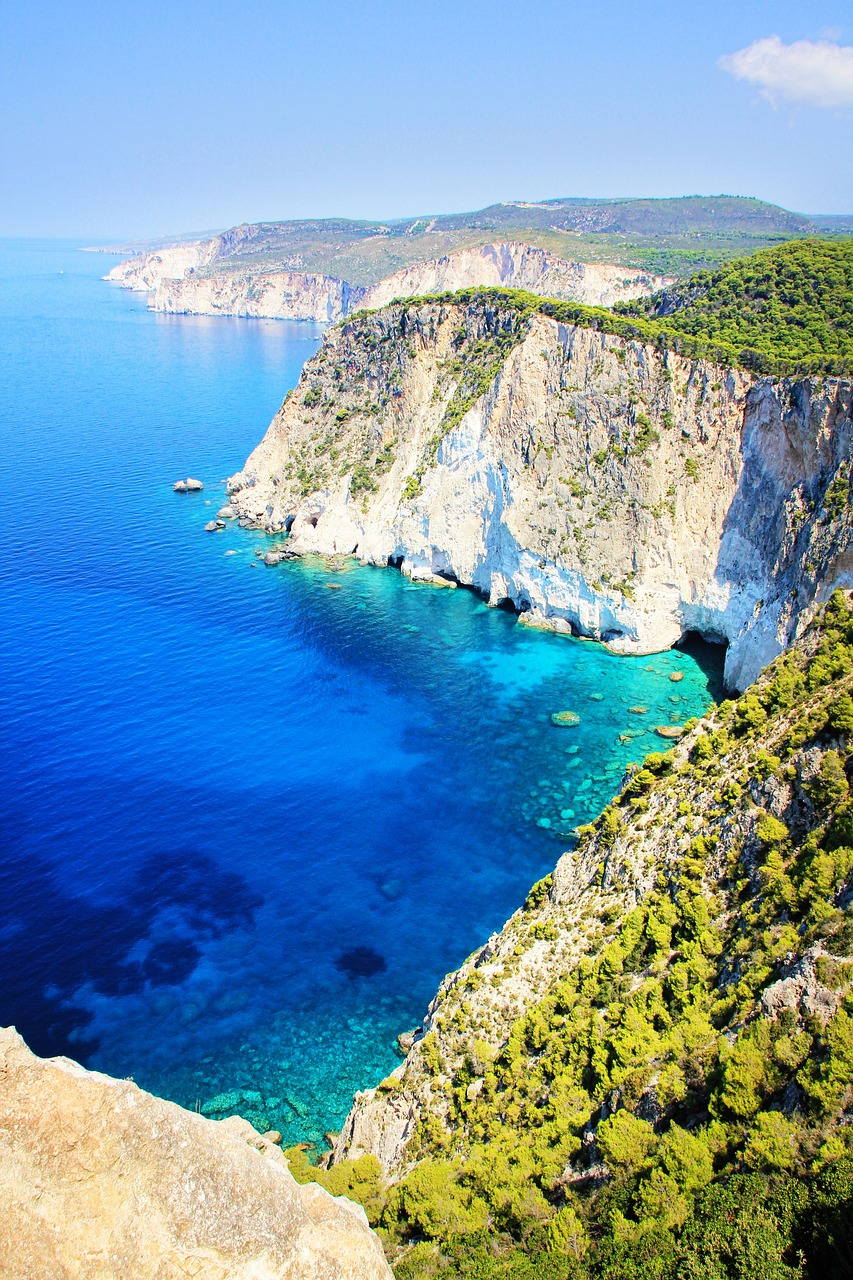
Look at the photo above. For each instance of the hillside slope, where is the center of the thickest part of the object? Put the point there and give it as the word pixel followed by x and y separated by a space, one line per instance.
pixel 649 1070
pixel 794 302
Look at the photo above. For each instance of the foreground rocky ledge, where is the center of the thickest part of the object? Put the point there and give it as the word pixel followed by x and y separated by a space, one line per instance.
pixel 99 1179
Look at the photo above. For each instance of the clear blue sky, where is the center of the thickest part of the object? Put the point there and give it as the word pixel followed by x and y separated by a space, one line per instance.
pixel 144 119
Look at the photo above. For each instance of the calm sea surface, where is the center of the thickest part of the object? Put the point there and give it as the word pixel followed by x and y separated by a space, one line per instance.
pixel 247 822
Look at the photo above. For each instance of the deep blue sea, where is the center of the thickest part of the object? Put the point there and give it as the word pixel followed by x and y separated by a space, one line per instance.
pixel 248 821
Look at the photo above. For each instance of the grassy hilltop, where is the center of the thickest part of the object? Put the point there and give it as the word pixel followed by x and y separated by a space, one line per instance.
pixel 668 236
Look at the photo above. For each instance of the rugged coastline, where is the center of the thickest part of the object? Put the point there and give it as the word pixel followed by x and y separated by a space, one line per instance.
pixel 200 279
pixel 664 1025
pixel 598 484
pixel 660 1040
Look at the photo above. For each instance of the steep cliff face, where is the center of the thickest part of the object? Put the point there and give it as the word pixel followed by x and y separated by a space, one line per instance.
pixel 278 295
pixel 704 919
pixel 598 484
pixel 518 266
pixel 147 272
pixel 199 279
pixel 98 1179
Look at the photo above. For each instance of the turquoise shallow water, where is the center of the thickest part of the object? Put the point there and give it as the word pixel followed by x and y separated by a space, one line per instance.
pixel 248 821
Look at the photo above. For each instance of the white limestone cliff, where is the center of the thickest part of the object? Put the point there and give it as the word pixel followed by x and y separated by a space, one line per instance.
pixel 200 279
pixel 597 484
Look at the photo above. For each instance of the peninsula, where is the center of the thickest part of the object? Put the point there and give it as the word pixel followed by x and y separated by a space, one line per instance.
pixel 591 251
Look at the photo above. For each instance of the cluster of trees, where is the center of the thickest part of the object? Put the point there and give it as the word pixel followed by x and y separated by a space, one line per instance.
pixel 653 1116
pixel 792 304
pixel 783 311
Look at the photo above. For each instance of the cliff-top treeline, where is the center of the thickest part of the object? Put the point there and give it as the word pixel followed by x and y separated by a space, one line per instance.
pixel 675 1101
pixel 782 311
pixel 794 302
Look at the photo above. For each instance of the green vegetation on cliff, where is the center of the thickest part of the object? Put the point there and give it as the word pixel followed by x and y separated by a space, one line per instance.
pixel 793 302
pixel 679 1103
pixel 784 311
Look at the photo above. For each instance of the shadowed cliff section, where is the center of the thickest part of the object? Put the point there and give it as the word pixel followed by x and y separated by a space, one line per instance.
pixel 98 1179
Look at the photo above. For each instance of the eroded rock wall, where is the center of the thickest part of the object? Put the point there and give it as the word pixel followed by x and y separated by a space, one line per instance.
pixel 198 279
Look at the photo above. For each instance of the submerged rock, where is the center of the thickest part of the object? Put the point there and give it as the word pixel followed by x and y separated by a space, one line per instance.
pixel 669 730
pixel 675 676
pixel 565 719
pixel 361 962
pixel 638 711
pixel 222 1104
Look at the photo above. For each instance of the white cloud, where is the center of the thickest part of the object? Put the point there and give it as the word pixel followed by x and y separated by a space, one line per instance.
pixel 816 72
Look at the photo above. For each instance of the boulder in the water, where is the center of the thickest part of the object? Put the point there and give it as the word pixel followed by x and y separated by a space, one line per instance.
pixel 638 710
pixel 565 719
pixel 405 1040
pixel 669 730
pixel 212 526
pixel 675 676
pixel 194 486
pixel 361 962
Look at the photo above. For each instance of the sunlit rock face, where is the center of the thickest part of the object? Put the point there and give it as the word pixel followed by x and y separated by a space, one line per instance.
pixel 598 485
pixel 200 279
pixel 99 1179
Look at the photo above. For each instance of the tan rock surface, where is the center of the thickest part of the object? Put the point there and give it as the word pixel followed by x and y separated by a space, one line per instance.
pixel 101 1181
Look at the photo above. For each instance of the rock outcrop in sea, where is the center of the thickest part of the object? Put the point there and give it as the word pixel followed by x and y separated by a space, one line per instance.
pixel 599 485
pixel 99 1179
